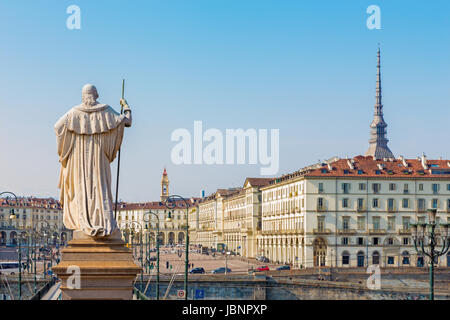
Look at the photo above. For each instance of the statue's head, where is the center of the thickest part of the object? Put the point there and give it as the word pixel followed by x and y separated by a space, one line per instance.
pixel 89 95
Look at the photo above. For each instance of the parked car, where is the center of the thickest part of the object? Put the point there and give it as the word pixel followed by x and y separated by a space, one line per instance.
pixel 263 259
pixel 221 270
pixel 262 268
pixel 49 273
pixel 284 268
pixel 198 270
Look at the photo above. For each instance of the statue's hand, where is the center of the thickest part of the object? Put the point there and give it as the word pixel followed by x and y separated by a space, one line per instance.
pixel 124 104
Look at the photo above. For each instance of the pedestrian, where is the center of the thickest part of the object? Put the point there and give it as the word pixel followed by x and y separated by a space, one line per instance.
pixel 167 264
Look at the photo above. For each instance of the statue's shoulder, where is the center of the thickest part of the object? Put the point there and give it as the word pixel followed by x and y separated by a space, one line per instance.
pixel 99 119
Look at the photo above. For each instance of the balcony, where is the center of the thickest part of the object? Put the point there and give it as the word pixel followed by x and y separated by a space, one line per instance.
pixel 421 210
pixel 321 208
pixel 391 209
pixel 346 231
pixel 404 231
pixel 377 231
pixel 361 209
pixel 293 231
pixel 321 231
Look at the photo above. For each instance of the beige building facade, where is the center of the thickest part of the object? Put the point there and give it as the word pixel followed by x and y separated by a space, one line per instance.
pixel 231 218
pixel 31 213
pixel 353 212
pixel 137 217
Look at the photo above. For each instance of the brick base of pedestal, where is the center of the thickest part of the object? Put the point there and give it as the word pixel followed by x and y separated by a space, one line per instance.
pixel 106 269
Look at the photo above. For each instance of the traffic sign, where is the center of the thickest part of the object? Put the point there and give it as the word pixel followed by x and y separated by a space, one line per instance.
pixel 180 294
pixel 199 294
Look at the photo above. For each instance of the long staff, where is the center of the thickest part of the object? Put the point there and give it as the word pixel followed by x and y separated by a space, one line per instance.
pixel 118 157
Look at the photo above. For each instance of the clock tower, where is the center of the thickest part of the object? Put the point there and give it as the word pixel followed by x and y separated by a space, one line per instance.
pixel 164 186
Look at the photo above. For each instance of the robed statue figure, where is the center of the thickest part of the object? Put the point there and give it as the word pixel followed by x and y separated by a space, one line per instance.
pixel 88 139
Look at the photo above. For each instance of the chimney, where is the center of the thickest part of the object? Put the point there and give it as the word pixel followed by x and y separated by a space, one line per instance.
pixel 405 163
pixel 350 164
pixel 331 168
pixel 424 161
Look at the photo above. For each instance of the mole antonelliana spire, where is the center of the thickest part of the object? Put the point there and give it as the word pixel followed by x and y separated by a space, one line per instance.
pixel 378 141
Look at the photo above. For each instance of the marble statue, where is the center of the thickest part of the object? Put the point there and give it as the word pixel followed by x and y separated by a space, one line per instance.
pixel 88 139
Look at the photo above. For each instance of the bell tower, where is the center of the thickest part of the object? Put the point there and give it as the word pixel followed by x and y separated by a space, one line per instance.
pixel 164 186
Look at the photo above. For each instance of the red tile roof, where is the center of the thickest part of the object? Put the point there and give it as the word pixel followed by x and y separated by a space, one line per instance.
pixel 152 205
pixel 31 202
pixel 259 182
pixel 367 166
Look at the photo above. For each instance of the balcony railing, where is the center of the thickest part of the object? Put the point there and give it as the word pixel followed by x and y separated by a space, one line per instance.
pixel 293 231
pixel 321 231
pixel 346 231
pixel 377 231
pixel 404 231
pixel 391 209
pixel 361 209
pixel 321 208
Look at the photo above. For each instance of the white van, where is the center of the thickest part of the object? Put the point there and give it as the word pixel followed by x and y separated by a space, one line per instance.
pixel 9 268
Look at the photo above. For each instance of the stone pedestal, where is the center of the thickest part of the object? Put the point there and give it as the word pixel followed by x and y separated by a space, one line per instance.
pixel 106 269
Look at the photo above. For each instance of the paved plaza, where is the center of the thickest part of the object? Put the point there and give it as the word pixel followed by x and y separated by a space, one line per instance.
pixel 237 264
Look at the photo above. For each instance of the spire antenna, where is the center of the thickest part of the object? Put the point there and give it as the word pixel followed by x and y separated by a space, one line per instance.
pixel 378 141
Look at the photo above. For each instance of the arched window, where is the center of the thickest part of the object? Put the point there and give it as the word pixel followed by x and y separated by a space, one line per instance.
pixel 405 257
pixel 345 258
pixel 319 252
pixel 360 259
pixel 375 257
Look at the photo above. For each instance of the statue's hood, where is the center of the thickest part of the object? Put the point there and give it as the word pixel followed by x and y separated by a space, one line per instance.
pixel 98 119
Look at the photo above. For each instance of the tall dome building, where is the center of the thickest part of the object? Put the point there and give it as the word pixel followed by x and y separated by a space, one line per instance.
pixel 378 142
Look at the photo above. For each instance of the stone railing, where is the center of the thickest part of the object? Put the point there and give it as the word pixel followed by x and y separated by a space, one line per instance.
pixel 377 231
pixel 346 231
pixel 321 231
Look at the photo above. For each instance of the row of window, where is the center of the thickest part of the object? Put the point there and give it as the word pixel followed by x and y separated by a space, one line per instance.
pixel 376 222
pixel 24 210
pixel 405 258
pixel 24 217
pixel 376 187
pixel 375 241
pixel 405 203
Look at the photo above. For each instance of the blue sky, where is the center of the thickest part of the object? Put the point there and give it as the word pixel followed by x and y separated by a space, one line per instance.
pixel 307 68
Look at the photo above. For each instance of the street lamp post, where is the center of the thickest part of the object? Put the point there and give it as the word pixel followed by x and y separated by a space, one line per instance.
pixel 12 216
pixel 426 232
pixel 35 261
pixel 20 267
pixel 140 248
pixel 171 203
pixel 157 249
pixel 45 248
